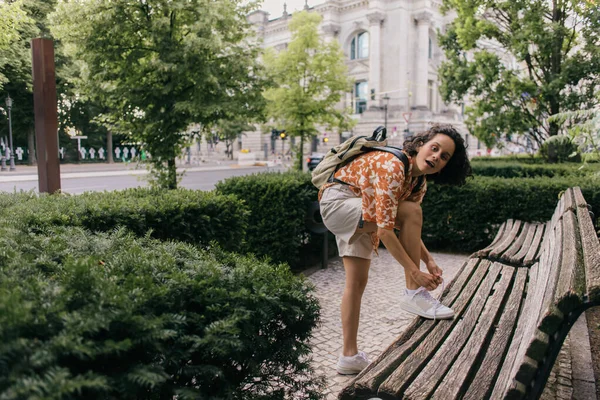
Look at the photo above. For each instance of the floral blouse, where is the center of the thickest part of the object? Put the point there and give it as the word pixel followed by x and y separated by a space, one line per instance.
pixel 378 177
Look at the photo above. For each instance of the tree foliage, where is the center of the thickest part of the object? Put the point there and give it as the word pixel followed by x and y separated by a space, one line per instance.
pixel 310 77
pixel 160 65
pixel 517 63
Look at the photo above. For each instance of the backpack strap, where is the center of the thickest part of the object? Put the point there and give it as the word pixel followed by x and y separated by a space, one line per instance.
pixel 397 151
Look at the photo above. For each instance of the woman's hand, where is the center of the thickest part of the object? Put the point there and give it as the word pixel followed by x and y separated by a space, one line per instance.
pixel 433 269
pixel 428 281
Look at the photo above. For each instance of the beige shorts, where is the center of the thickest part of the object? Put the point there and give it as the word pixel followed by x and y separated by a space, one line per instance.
pixel 341 211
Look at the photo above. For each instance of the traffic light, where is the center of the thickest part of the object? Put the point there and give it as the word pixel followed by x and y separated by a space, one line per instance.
pixel 282 135
pixel 325 139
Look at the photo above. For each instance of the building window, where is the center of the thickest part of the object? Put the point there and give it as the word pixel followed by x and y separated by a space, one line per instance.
pixel 361 91
pixel 430 96
pixel 359 47
pixel 430 53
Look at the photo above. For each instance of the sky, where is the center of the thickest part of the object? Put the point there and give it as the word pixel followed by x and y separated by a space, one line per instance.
pixel 275 7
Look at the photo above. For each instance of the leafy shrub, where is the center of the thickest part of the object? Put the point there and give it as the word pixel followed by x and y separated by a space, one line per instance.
pixel 191 216
pixel 559 148
pixel 466 219
pixel 110 315
pixel 278 204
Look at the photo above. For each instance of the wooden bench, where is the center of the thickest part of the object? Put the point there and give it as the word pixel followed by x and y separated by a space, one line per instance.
pixel 515 301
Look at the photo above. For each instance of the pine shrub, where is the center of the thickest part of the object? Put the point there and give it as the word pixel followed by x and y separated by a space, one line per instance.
pixel 115 316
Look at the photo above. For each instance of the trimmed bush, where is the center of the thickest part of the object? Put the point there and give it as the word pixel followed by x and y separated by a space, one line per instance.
pixel 518 158
pixel 278 203
pixel 466 219
pixel 114 316
pixel 506 169
pixel 187 215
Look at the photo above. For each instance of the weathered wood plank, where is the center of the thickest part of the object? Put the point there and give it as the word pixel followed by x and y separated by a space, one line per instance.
pixel 579 199
pixel 591 249
pixel 401 378
pixel 481 385
pixel 526 233
pixel 571 280
pixel 537 348
pixel 534 341
pixel 545 245
pixel 550 316
pixel 504 228
pixel 517 389
pixel 507 240
pixel 368 381
pixel 536 246
pixel 558 212
pixel 570 204
pixel 525 326
pixel 452 384
pixel 525 247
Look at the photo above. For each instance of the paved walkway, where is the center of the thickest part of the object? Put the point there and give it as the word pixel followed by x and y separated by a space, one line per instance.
pixel 381 319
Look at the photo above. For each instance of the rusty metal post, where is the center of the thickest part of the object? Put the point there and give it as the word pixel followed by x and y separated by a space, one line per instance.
pixel 46 118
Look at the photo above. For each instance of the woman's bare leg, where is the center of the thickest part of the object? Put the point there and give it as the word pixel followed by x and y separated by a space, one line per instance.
pixel 409 221
pixel 357 275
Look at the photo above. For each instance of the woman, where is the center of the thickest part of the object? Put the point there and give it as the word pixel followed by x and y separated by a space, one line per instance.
pixel 375 198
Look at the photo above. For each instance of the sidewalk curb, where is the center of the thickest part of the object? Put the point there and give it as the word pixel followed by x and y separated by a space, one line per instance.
pixel 130 172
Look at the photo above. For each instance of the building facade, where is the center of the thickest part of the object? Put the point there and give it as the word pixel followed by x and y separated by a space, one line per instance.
pixel 392 54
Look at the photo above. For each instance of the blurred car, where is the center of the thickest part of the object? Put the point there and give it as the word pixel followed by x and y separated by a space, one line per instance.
pixel 313 160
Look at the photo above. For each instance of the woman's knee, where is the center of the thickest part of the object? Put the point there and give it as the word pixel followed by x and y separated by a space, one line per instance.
pixel 409 212
pixel 357 273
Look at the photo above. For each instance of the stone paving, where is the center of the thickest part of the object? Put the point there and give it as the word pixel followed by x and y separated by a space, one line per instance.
pixel 381 319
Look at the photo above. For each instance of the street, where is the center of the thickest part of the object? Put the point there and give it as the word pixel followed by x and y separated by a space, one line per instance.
pixel 76 183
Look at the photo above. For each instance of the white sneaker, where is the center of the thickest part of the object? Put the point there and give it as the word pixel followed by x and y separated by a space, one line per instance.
pixel 352 365
pixel 424 304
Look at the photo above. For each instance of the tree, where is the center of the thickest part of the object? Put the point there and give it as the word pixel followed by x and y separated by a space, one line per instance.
pixel 161 65
pixel 310 77
pixel 231 129
pixel 557 52
pixel 12 19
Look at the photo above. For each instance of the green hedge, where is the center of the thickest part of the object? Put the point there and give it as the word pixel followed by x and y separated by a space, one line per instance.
pixel 466 219
pixel 114 316
pixel 507 169
pixel 187 215
pixel 278 203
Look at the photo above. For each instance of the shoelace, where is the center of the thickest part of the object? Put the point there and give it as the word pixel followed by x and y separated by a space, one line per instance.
pixel 436 303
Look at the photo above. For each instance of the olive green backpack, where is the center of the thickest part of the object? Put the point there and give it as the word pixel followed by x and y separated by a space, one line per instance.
pixel 346 152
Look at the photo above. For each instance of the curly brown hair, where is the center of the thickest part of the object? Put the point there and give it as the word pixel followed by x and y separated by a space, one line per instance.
pixel 458 168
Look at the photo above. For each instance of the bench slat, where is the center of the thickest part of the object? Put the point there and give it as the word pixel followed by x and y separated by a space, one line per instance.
pixel 481 383
pixel 591 249
pixel 504 228
pixel 399 379
pixel 526 236
pixel 455 380
pixel 558 212
pixel 371 377
pixel 536 245
pixel 506 372
pixel 535 343
pixel 525 246
pixel 570 202
pixel 550 316
pixel 571 280
pixel 507 240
